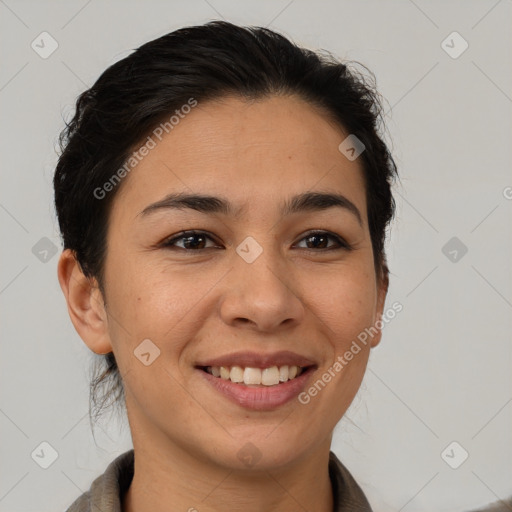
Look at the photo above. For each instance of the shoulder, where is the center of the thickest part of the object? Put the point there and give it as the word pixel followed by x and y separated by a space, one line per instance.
pixel 107 489
pixel 348 496
pixel 498 506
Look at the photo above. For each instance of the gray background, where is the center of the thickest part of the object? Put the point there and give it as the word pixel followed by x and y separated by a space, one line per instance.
pixel 442 372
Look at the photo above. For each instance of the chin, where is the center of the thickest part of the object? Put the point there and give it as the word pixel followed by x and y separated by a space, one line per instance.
pixel 262 451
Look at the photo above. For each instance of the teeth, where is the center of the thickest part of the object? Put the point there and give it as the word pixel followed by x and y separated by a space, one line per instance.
pixel 255 376
pixel 236 374
pixel 270 376
pixel 252 376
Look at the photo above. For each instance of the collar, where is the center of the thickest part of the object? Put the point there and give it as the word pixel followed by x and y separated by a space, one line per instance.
pixel 106 491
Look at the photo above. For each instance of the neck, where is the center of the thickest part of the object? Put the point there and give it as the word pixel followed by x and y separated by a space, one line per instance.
pixel 168 478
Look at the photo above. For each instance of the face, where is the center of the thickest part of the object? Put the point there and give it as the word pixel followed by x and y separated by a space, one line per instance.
pixel 264 282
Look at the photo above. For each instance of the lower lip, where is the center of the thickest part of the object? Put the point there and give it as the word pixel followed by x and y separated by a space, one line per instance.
pixel 260 398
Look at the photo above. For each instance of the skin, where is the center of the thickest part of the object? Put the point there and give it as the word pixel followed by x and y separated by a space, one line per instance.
pixel 211 302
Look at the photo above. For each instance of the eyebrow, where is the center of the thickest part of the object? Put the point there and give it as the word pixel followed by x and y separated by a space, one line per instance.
pixel 305 202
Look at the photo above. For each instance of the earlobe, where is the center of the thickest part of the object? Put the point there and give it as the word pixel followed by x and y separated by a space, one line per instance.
pixel 85 302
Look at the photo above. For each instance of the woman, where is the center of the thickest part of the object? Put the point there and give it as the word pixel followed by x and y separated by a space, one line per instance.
pixel 223 197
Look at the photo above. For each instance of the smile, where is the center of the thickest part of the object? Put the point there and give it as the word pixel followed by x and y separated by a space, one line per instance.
pixel 248 376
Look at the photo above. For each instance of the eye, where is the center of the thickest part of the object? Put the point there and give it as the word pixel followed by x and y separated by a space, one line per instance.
pixel 197 240
pixel 192 240
pixel 319 240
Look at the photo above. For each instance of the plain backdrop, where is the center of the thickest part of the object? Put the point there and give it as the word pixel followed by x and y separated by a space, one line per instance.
pixel 442 373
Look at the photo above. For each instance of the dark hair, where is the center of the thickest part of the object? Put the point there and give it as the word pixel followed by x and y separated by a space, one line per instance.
pixel 204 62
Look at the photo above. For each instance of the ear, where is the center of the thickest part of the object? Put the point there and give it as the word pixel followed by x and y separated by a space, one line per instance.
pixel 382 291
pixel 86 304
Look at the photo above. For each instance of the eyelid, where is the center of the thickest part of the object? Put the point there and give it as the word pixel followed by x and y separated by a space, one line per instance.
pixel 342 243
pixel 167 242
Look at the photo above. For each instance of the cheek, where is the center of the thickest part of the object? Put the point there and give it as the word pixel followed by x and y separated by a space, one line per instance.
pixel 151 302
pixel 345 303
pixel 145 293
pixel 345 306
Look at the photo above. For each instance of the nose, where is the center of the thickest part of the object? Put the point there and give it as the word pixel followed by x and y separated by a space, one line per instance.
pixel 261 295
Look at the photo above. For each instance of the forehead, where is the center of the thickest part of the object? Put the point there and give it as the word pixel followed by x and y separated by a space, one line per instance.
pixel 256 151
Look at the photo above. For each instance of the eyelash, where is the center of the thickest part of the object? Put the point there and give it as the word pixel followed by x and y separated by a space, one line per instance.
pixel 170 242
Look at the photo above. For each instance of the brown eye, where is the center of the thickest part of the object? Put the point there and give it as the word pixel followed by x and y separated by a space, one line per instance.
pixel 320 240
pixel 198 240
pixel 191 241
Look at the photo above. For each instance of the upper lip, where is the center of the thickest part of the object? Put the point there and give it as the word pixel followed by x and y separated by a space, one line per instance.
pixel 258 360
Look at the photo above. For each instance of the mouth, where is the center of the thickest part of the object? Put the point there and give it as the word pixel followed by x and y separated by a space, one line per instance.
pixel 256 377
pixel 258 381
